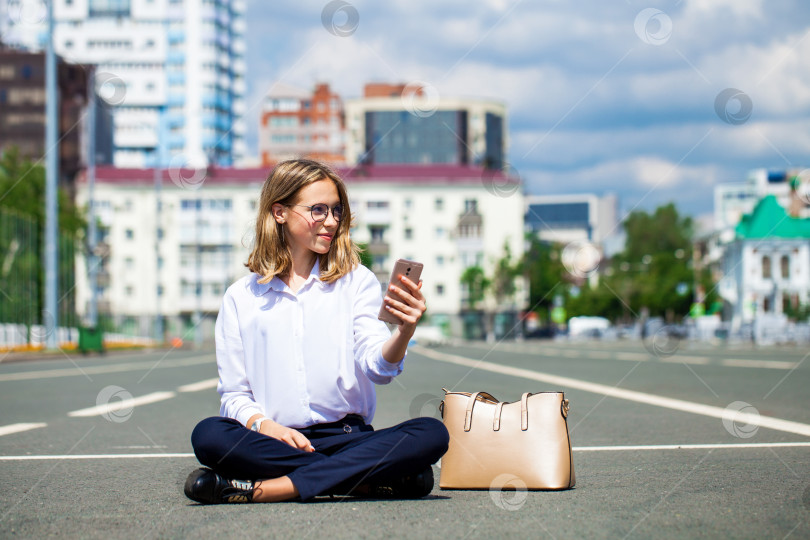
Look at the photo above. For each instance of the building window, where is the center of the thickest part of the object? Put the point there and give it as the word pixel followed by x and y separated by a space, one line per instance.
pixel 439 260
pixel 766 305
pixel 378 262
pixel 129 290
pixel 439 232
pixel 377 234
pixel 439 204
pixel 408 234
pixel 470 206
pixel 160 233
pixel 130 234
pixel 766 268
pixel 408 204
pixel 160 290
pixel 129 263
pixel 785 266
pixel 439 290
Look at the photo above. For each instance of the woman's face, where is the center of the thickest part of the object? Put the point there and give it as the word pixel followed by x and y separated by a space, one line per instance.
pixel 302 232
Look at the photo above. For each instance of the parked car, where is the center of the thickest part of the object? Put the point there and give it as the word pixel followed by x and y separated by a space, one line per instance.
pixel 429 336
pixel 590 327
pixel 542 332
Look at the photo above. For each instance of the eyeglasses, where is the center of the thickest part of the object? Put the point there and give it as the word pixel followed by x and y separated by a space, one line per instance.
pixel 321 210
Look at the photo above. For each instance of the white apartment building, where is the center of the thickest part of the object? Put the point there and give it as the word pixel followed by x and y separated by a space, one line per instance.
pixel 179 261
pixel 171 70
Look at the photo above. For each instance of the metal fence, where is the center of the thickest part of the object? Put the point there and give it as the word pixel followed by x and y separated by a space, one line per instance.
pixel 22 276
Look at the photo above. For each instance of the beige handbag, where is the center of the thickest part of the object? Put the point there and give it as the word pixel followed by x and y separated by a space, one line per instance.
pixel 524 444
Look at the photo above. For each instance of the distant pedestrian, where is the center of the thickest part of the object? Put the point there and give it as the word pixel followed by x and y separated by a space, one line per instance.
pixel 299 349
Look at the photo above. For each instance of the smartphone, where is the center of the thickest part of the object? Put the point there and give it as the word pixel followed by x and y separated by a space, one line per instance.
pixel 403 267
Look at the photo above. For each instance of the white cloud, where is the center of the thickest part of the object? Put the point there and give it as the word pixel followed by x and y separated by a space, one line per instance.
pixel 586 96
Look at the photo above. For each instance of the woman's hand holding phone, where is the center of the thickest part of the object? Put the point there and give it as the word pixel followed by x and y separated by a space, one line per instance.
pixel 404 303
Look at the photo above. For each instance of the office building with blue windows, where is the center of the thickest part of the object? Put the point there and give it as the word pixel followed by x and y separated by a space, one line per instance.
pixel 389 127
pixel 172 72
pixel 569 218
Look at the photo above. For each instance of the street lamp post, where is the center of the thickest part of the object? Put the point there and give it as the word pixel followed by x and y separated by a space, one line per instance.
pixel 92 256
pixel 51 311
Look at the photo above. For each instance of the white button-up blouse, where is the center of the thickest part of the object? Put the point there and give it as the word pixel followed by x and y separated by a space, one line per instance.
pixel 302 358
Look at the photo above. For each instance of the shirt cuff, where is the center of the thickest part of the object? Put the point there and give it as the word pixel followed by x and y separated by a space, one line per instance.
pixel 244 415
pixel 386 368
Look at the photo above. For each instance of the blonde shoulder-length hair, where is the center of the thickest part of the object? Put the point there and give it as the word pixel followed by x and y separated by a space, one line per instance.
pixel 271 255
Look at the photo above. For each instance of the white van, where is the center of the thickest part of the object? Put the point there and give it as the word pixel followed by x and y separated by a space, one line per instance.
pixel 587 326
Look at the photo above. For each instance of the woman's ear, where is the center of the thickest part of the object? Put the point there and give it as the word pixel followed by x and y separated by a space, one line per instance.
pixel 279 212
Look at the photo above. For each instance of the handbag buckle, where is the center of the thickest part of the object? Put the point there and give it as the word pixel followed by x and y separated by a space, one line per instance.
pixel 564 408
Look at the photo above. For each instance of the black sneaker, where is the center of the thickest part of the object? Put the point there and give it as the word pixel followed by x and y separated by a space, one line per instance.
pixel 408 487
pixel 207 487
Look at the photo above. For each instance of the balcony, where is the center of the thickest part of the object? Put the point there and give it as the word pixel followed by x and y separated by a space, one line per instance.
pixel 378 247
pixel 376 216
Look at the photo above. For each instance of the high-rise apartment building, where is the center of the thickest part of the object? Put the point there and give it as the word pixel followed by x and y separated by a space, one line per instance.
pixel 406 124
pixel 297 123
pixel 171 70
pixel 22 111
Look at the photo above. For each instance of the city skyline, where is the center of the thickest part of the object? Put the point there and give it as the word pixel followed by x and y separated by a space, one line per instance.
pixel 653 101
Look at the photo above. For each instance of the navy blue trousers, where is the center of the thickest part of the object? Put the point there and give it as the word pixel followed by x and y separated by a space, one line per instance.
pixel 347 453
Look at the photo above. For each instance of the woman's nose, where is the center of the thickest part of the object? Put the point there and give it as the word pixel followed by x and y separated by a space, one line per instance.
pixel 330 219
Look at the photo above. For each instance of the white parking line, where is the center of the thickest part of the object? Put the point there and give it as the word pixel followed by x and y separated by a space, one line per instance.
pixel 18 428
pixel 630 395
pixel 689 446
pixel 197 386
pixel 94 456
pixel 635 357
pixel 602 355
pixel 768 364
pixel 114 368
pixel 123 404
pixel 582 352
pixel 575 449
pixel 680 359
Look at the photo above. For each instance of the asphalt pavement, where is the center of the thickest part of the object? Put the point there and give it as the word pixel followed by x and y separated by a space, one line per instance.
pixel 675 441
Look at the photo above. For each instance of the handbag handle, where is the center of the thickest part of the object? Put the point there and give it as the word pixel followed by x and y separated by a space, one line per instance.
pixel 470 403
pixel 524 414
pixel 524 411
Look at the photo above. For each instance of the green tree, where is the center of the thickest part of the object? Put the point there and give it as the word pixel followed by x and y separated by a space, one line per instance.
pixel 22 275
pixel 22 189
pixel 476 283
pixel 654 270
pixel 365 255
pixel 599 301
pixel 503 278
pixel 546 276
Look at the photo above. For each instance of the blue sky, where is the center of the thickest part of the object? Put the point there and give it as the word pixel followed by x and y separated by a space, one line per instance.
pixel 602 96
